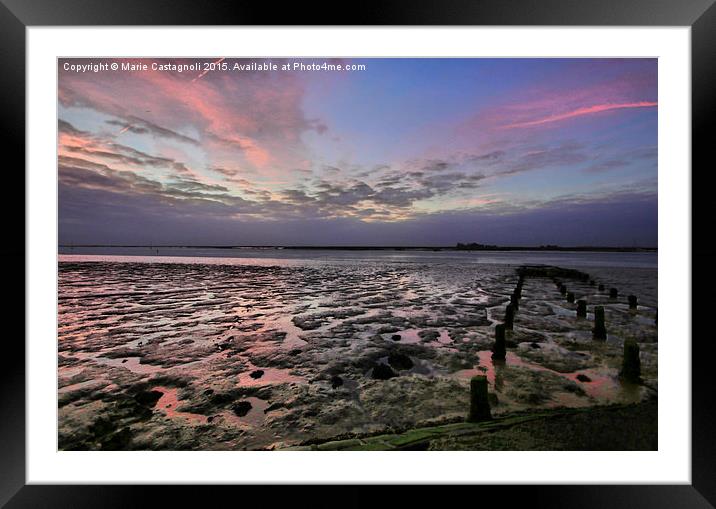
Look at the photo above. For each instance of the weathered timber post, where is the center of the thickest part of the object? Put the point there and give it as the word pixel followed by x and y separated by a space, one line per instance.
pixel 498 349
pixel 509 317
pixel 515 301
pixel 631 365
pixel 479 404
pixel 581 308
pixel 599 331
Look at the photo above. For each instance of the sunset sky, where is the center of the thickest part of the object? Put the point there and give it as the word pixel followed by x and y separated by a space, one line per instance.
pixel 405 152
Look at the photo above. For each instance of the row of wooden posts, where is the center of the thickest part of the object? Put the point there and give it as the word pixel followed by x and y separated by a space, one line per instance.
pixel 479 402
pixel 631 364
pixel 599 331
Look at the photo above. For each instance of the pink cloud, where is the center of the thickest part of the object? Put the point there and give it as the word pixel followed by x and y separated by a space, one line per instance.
pixel 254 119
pixel 579 112
pixel 584 89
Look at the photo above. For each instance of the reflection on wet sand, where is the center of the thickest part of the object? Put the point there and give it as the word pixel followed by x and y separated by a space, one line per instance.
pixel 599 383
pixel 168 403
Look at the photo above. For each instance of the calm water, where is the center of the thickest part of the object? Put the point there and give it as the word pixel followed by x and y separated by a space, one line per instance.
pixel 284 257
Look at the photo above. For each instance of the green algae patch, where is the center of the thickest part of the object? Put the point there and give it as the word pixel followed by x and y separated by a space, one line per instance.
pixel 338 445
pixel 532 431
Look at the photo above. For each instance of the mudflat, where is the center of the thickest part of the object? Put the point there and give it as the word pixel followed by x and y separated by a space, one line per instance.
pixel 180 355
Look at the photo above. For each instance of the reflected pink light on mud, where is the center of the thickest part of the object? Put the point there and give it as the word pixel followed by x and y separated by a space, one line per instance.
pixel 168 404
pixel 601 386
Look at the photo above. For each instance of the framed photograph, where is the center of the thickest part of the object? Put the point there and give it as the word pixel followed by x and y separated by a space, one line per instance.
pixel 432 247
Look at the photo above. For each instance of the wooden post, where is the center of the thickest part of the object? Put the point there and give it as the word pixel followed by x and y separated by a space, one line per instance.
pixel 509 317
pixel 498 349
pixel 515 301
pixel 599 331
pixel 581 308
pixel 479 404
pixel 631 365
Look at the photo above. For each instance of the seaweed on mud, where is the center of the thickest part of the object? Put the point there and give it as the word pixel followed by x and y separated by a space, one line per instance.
pixel 333 367
pixel 339 411
pixel 86 375
pixel 409 399
pixel 82 396
pixel 168 355
pixel 385 318
pixel 556 359
pixel 480 342
pixel 121 352
pixel 209 402
pixel 537 387
pixel 368 359
pixel 103 433
pixel 414 350
pixel 458 333
pixel 170 380
pixel 457 361
pixel 315 320
pixel 67 361
pixel 110 429
pixel 281 359
pixel 449 318
pixel 120 440
pixel 308 322
pixel 519 335
pixel 428 335
pixel 249 327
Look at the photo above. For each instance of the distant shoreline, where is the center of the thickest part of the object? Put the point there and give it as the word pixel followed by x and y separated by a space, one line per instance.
pixel 385 248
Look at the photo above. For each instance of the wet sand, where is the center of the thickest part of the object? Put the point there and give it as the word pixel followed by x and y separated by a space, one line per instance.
pixel 173 355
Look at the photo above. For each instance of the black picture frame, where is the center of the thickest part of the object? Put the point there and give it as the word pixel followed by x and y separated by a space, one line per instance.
pixel 17 15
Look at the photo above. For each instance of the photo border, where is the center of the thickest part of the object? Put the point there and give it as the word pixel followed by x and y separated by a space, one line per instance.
pixel 700 15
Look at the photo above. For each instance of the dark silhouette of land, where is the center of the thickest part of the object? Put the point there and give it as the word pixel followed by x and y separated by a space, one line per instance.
pixel 458 247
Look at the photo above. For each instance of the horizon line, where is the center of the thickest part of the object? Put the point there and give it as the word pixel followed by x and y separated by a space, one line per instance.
pixel 467 246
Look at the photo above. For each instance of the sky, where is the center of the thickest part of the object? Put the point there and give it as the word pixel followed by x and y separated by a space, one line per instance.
pixel 397 152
